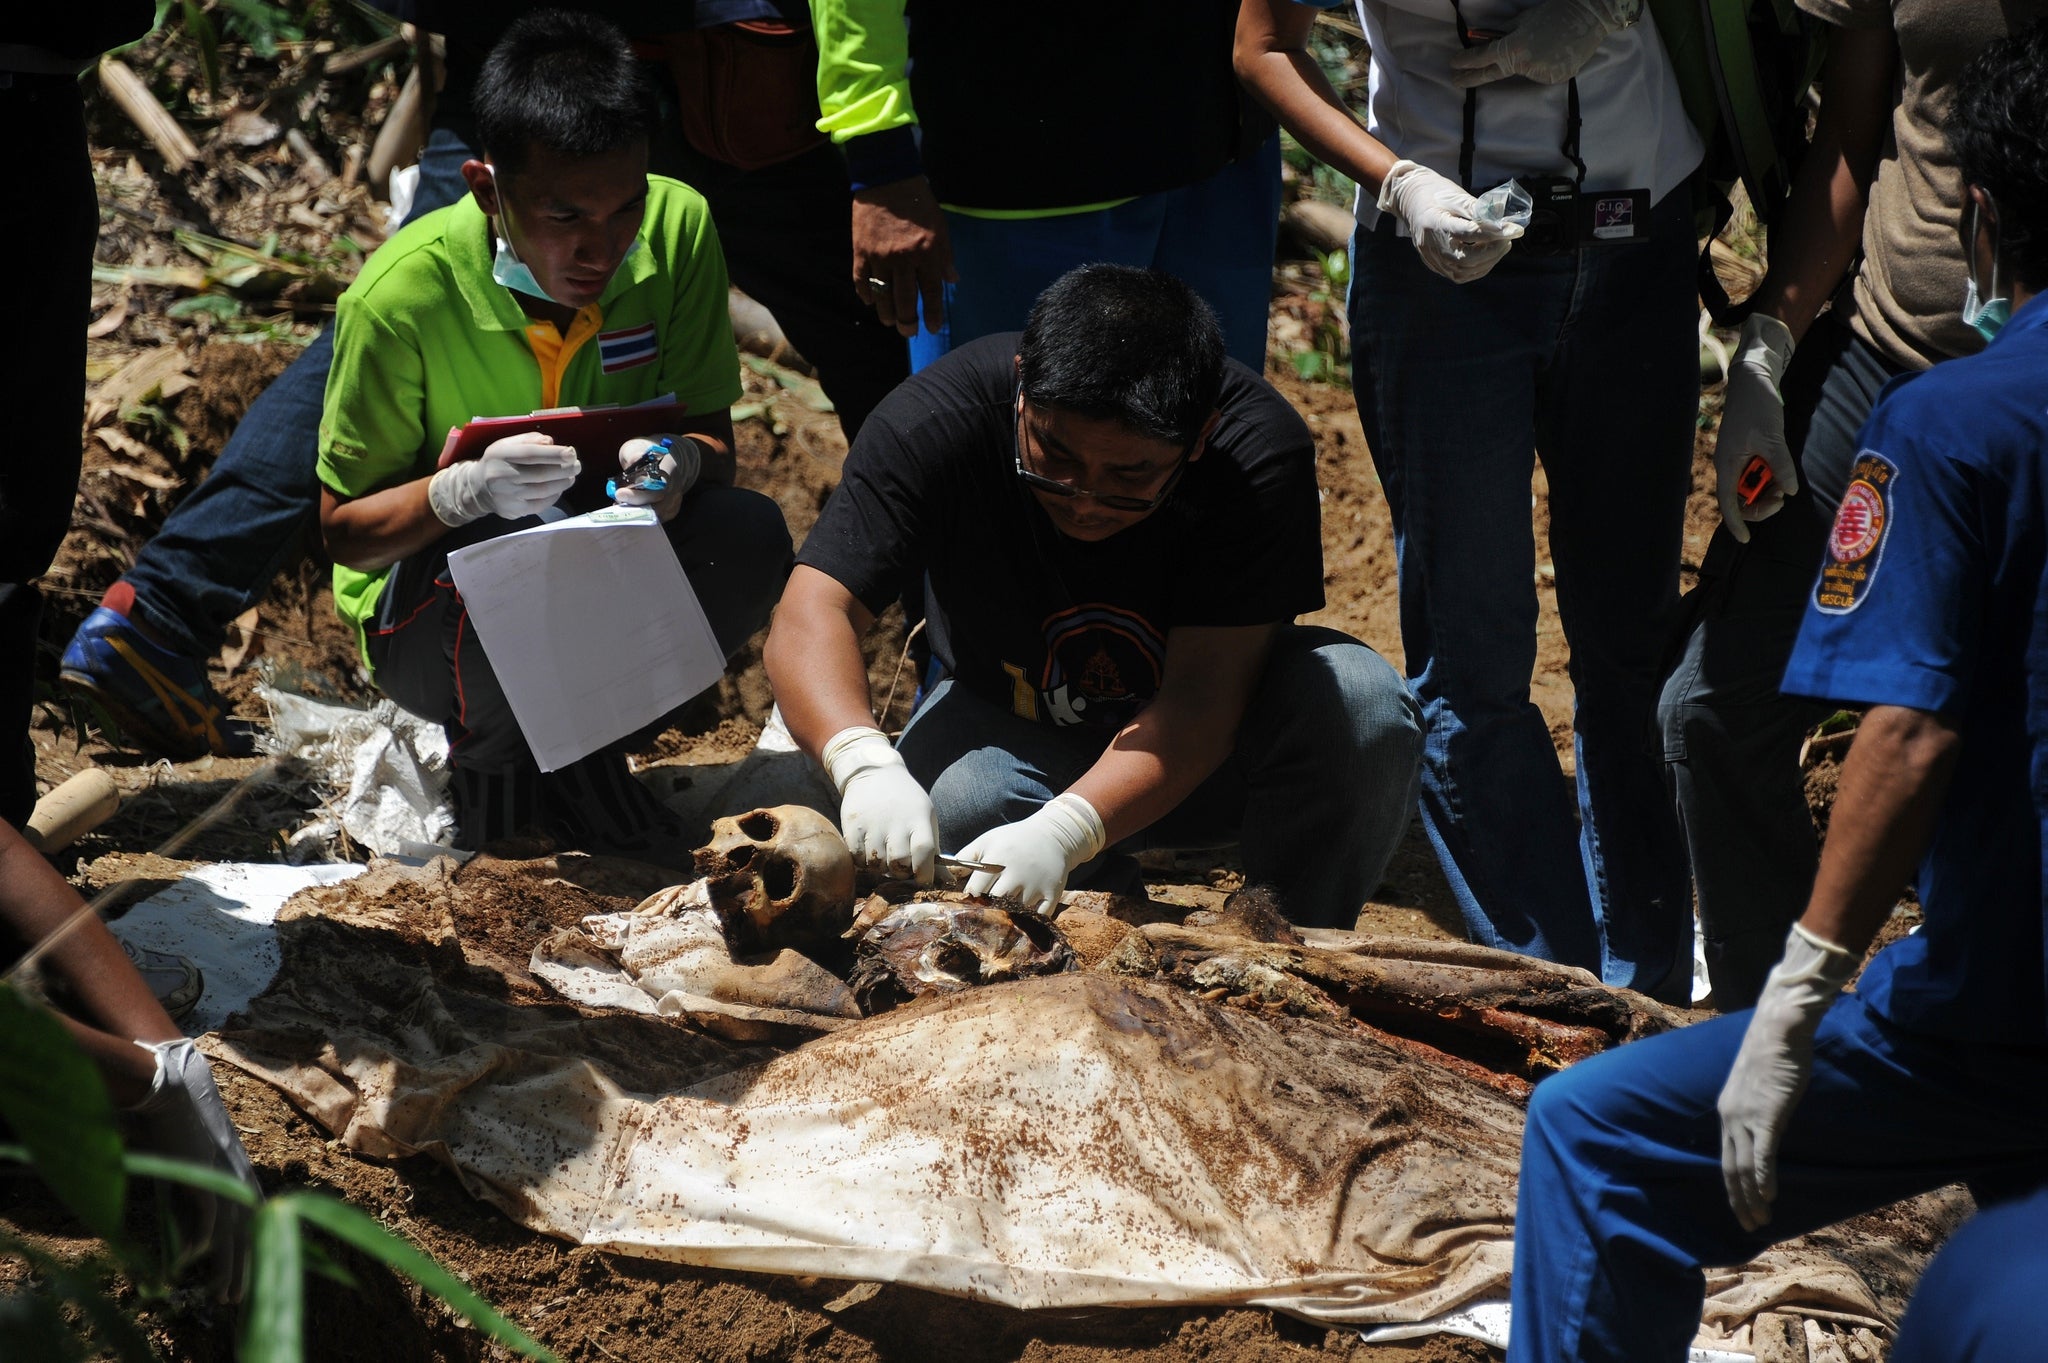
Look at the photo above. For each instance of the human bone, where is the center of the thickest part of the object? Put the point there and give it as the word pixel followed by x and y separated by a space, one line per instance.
pixel 782 877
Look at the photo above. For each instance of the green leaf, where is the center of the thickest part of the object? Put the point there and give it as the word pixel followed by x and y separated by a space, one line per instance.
pixel 202 31
pixel 51 1094
pixel 362 1232
pixel 192 1175
pixel 329 1267
pixel 273 1330
pixel 216 305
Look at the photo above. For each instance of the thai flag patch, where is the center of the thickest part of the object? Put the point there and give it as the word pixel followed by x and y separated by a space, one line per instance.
pixel 627 349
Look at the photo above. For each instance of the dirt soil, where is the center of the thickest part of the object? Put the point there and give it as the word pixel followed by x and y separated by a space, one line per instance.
pixel 166 391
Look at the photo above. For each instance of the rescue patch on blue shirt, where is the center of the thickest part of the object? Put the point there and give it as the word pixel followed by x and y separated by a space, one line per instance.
pixel 1856 544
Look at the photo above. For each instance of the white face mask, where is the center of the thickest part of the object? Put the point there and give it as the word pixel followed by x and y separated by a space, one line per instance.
pixel 515 274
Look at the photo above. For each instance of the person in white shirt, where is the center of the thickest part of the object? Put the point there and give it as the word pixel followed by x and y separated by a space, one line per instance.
pixel 1478 343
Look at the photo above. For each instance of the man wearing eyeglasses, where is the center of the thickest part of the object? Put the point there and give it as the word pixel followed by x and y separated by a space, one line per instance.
pixel 1116 528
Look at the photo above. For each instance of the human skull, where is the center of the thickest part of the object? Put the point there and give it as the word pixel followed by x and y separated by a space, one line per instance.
pixel 780 877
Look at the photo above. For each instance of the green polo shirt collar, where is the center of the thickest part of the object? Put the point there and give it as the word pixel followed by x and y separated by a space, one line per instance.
pixel 472 247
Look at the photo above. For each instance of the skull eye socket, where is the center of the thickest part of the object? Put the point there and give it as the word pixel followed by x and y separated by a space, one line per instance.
pixel 740 857
pixel 759 825
pixel 778 878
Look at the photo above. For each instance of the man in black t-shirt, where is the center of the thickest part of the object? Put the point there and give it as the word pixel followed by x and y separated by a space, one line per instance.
pixel 1116 528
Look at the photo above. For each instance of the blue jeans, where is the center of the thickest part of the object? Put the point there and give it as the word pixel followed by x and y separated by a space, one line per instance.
pixel 1980 1301
pixel 1217 234
pixel 1317 791
pixel 220 547
pixel 1621 1202
pixel 1589 361
pixel 1731 741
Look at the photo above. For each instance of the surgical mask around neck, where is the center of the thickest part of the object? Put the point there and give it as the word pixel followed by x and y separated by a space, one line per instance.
pixel 515 274
pixel 1985 315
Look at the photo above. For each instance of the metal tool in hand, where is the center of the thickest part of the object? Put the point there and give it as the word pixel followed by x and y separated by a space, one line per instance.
pixel 645 472
pixel 965 867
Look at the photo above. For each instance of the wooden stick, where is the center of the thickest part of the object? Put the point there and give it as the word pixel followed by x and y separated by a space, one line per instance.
pixel 400 139
pixel 384 49
pixel 126 89
pixel 72 810
pixel 311 164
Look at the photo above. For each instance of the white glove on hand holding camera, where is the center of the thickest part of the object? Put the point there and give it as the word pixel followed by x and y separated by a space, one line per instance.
pixel 885 815
pixel 517 476
pixel 1772 1068
pixel 184 1119
pixel 1753 424
pixel 1443 220
pixel 1037 853
pixel 680 464
pixel 1551 42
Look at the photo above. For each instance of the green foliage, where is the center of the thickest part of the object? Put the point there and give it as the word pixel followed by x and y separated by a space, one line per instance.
pixel 52 1096
pixel 54 1099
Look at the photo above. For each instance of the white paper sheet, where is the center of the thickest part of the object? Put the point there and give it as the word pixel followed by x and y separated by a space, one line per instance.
pixel 591 627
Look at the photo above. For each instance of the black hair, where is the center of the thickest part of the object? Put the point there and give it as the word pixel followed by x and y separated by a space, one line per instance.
pixel 1116 343
pixel 1998 129
pixel 564 81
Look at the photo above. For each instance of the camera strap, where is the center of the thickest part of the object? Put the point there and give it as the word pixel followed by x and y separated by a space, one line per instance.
pixel 1467 146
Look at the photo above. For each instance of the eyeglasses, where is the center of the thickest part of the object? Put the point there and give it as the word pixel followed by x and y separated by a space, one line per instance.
pixel 1116 501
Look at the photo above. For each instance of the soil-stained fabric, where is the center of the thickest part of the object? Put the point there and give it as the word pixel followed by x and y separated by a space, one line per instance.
pixel 1071 1140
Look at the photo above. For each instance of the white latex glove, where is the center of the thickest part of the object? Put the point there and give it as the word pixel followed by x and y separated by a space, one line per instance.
pixel 1037 853
pixel 518 475
pixel 1772 1067
pixel 680 464
pixel 1441 217
pixel 1549 45
pixel 1753 423
pixel 184 1119
pixel 887 818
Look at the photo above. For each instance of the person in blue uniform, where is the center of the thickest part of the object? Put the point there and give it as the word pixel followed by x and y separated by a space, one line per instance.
pixel 1705 1145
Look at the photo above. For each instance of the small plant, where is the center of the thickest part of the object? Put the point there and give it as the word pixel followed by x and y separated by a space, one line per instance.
pixel 58 1107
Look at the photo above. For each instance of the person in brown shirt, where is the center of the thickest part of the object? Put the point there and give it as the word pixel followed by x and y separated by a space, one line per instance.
pixel 1827 333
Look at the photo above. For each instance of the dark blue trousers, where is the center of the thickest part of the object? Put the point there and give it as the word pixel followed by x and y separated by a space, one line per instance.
pixel 1621 1203
pixel 1984 1299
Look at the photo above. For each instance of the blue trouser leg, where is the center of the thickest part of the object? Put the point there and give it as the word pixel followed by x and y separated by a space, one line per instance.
pixel 1621 1202
pixel 1216 234
pixel 734 548
pixel 1731 741
pixel 1317 791
pixel 1588 359
pixel 218 550
pixel 1619 470
pixel 1984 1299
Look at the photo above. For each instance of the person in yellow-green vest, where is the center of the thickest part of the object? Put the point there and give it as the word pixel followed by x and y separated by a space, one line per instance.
pixel 993 148
pixel 568 277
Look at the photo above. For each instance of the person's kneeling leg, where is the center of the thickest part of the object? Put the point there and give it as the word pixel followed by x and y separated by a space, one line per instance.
pixel 734 547
pixel 1330 751
pixel 1981 1301
pixel 1620 1177
pixel 985 767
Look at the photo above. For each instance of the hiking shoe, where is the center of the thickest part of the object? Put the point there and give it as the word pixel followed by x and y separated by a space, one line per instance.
pixel 175 980
pixel 161 700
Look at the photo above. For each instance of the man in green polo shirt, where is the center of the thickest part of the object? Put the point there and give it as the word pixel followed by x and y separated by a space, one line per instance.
pixel 569 277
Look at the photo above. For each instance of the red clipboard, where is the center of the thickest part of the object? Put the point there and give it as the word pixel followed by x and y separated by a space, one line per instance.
pixel 596 432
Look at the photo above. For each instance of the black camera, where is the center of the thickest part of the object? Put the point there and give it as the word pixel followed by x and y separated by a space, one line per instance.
pixel 1562 218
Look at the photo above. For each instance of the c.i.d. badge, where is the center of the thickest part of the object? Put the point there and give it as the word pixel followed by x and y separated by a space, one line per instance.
pixel 1856 544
